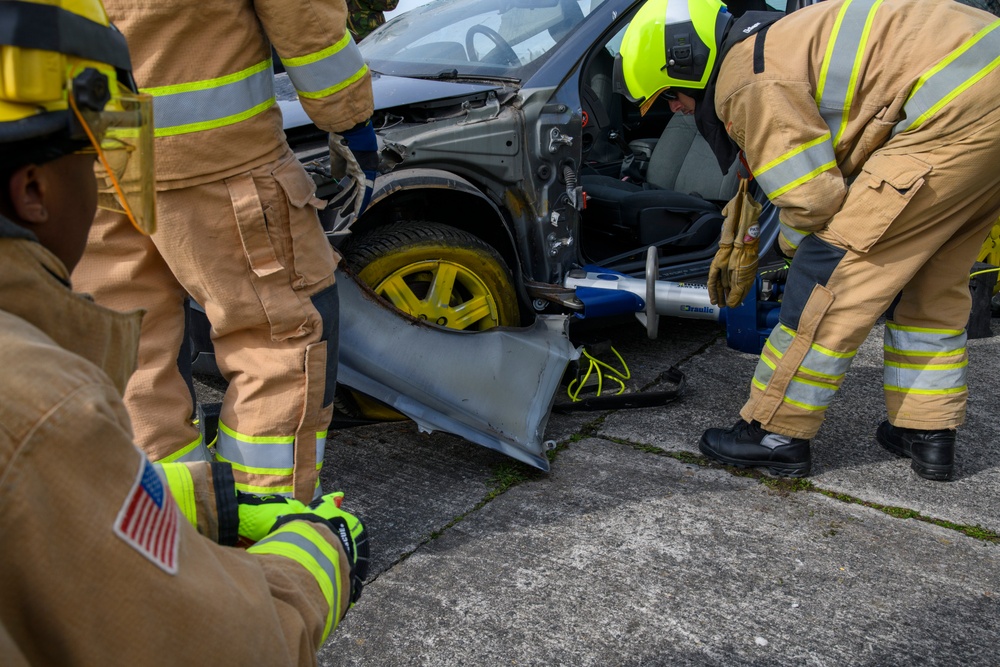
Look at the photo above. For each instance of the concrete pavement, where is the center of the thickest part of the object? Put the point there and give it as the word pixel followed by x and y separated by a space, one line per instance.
pixel 635 550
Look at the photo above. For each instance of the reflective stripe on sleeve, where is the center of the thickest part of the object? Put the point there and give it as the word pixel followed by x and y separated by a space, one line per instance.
pixel 328 71
pixel 792 236
pixel 797 166
pixel 178 479
pixel 300 542
pixel 212 103
pixel 957 72
pixel 841 64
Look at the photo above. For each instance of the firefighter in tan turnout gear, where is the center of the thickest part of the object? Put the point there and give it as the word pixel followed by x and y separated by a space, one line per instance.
pixel 875 126
pixel 239 228
pixel 101 560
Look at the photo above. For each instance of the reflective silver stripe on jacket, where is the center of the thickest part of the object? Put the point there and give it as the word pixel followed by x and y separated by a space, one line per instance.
pixel 792 235
pixel 328 70
pixel 839 73
pixel 796 166
pixel 204 105
pixel 289 536
pixel 960 69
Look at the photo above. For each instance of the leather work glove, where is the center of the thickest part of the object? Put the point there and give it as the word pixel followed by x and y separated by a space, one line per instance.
pixel 348 528
pixel 718 272
pixel 744 257
pixel 353 162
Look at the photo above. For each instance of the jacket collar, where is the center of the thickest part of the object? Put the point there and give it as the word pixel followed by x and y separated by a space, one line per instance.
pixel 35 287
pixel 705 115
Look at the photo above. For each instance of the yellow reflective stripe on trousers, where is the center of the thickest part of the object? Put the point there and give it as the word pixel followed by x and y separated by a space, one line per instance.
pixel 927 361
pixel 299 541
pixel 825 367
pixel 797 166
pixel 838 76
pixel 945 81
pixel 211 103
pixel 777 344
pixel 196 451
pixel 320 449
pixel 923 341
pixel 325 72
pixel 261 455
pixel 178 479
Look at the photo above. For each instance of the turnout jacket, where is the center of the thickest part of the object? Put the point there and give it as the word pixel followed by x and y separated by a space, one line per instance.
pixel 208 65
pixel 97 565
pixel 813 96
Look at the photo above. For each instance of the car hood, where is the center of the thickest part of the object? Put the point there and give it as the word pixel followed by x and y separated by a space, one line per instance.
pixel 388 91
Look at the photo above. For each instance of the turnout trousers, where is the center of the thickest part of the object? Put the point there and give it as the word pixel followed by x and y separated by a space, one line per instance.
pixel 902 245
pixel 250 250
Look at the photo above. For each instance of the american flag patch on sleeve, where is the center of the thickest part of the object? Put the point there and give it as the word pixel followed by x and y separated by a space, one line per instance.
pixel 148 520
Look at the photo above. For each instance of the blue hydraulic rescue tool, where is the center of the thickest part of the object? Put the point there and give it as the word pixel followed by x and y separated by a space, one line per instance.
pixel 604 293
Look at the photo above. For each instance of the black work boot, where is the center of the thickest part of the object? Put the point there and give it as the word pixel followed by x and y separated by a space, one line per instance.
pixel 748 446
pixel 932 452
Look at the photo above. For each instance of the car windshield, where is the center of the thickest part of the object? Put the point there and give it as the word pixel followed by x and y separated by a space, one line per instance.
pixel 476 38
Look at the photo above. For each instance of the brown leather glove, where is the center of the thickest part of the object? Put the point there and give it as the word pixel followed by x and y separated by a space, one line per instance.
pixel 718 272
pixel 744 257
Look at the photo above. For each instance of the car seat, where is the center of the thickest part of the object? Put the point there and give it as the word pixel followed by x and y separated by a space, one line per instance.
pixel 679 206
pixel 603 107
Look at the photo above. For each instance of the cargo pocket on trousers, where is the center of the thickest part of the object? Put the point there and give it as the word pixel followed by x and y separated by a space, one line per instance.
pixel 267 272
pixel 885 186
pixel 313 259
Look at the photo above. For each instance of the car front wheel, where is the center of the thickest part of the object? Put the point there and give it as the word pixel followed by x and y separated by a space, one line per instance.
pixel 439 274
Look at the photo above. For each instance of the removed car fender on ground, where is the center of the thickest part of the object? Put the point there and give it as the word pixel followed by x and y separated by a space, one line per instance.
pixel 494 388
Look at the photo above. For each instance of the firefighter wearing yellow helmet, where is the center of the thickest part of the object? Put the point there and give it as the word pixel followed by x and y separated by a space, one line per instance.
pixel 241 234
pixel 106 558
pixel 874 126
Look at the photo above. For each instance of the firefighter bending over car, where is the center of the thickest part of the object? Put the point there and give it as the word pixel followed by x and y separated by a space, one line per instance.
pixel 106 558
pixel 239 229
pixel 874 125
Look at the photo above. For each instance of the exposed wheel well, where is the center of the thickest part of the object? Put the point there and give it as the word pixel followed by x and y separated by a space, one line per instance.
pixel 436 203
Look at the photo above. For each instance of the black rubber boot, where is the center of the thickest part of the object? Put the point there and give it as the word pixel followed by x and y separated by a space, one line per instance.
pixel 932 452
pixel 750 446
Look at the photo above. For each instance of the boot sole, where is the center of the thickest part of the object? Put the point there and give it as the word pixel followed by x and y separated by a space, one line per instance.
pixel 931 472
pixel 774 467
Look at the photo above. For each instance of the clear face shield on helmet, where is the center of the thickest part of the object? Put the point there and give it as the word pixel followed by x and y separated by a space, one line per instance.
pixel 65 82
pixel 121 135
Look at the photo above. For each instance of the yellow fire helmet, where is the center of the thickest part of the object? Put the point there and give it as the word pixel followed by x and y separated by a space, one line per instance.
pixel 669 43
pixel 66 86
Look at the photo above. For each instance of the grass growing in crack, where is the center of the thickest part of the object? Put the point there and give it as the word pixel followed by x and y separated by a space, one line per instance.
pixel 505 476
pixel 787 485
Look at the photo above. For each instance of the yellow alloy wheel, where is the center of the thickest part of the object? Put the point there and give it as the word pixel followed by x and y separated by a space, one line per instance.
pixel 444 276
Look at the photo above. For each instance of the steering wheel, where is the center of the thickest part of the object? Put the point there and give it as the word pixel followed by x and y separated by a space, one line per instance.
pixel 505 51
